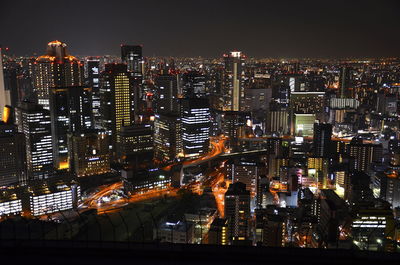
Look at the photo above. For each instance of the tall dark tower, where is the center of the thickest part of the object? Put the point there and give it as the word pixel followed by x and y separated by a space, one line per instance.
pixel 322 139
pixel 132 56
pixel 71 111
pixel 345 82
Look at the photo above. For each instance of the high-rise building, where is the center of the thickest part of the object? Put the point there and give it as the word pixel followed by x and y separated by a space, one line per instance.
pixel 35 122
pixel 136 142
pixel 55 69
pixel 322 139
pixel 233 83
pixel 89 153
pixel 71 111
pixel 167 93
pixel 93 81
pixel 117 101
pixel 4 96
pixel 132 56
pixel 12 158
pixel 194 85
pixel 196 123
pixel 167 137
pixel 237 210
pixel 345 82
pixel 364 155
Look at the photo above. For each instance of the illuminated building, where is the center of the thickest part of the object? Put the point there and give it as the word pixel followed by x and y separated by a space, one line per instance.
pixel 304 124
pixel 278 121
pixel 167 94
pixel 89 153
pixel 344 103
pixel 233 82
pixel 194 85
pixel 257 99
pixel 117 102
pixel 174 231
pixel 167 137
pixel 13 157
pixel 307 102
pixel 71 111
pixel 55 69
pixel 136 142
pixel 93 81
pixel 245 172
pixel 53 195
pixel 219 232
pixel 4 95
pixel 10 203
pixel 132 56
pixel 372 226
pixel 364 155
pixel 322 143
pixel 196 123
pixel 141 181
pixel 237 210
pixel 35 122
pixel 318 170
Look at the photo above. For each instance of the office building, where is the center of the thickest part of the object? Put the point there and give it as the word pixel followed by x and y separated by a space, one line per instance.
pixel 93 81
pixel 194 85
pixel 55 69
pixel 117 102
pixel 136 142
pixel 167 137
pixel 132 56
pixel 237 210
pixel 35 123
pixel 13 158
pixel 196 123
pixel 88 153
pixel 322 143
pixel 167 94
pixel 71 111
pixel 233 82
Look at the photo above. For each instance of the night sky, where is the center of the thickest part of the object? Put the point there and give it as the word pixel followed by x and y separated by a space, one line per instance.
pixel 205 28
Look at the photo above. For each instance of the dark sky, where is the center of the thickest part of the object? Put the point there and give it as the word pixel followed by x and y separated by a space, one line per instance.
pixel 260 28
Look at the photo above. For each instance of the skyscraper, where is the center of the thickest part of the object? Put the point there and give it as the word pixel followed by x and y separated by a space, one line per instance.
pixel 344 82
pixel 71 111
pixel 132 56
pixel 167 137
pixel 93 81
pixel 35 123
pixel 167 93
pixel 3 94
pixel 55 69
pixel 237 210
pixel 12 158
pixel 194 85
pixel 196 123
pixel 89 153
pixel 322 139
pixel 117 101
pixel 233 83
